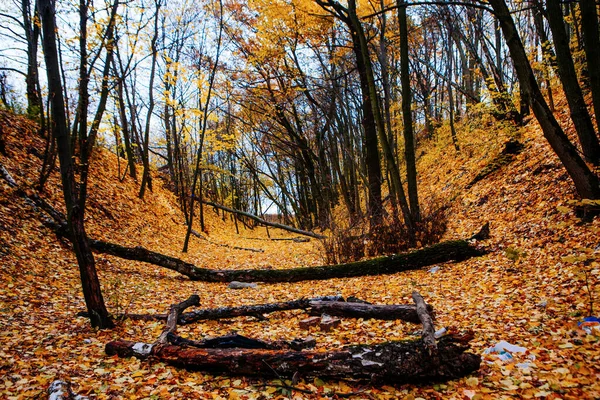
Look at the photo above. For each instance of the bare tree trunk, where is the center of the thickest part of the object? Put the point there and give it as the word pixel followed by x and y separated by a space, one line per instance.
pixel 409 137
pixel 146 177
pixel 32 81
pixel 198 171
pixel 99 316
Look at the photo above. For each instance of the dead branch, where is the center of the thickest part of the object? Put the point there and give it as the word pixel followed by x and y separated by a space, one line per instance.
pixel 174 313
pixel 198 235
pixel 263 222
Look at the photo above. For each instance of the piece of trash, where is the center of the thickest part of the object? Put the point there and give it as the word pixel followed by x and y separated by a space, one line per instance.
pixel 439 333
pixel 434 269
pixel 504 350
pixel 503 345
pixel 590 324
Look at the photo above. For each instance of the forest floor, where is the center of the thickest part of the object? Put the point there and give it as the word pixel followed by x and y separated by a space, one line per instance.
pixel 531 290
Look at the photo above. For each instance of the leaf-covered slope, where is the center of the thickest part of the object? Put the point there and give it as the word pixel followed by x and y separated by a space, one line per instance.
pixel 525 292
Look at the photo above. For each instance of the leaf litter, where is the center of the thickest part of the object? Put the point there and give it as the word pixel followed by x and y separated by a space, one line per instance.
pixel 531 290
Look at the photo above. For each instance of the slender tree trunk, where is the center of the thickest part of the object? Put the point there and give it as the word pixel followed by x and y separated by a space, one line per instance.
pixel 32 35
pixel 146 177
pixel 409 137
pixel 99 316
pixel 450 92
pixel 125 126
pixel 198 171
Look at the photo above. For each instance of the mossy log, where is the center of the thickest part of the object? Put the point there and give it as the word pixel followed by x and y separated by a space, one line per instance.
pixel 456 250
pixel 394 362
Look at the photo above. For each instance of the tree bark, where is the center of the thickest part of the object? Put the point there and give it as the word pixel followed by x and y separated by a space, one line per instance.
pixel 409 137
pixel 457 250
pixel 173 316
pixel 263 222
pixel 589 26
pixel 428 329
pixel 396 362
pixel 331 305
pixel 586 182
pixel 99 316
pixel 566 69
pixel 362 310
pixel 146 176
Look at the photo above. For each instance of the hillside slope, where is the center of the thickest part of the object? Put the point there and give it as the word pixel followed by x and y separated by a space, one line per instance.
pixel 529 290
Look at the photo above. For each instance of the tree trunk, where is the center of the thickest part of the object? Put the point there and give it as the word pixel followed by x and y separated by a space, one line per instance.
pixel 146 177
pixel 263 222
pixel 442 252
pixel 331 305
pixel 362 310
pixel 450 92
pixel 409 137
pixel 394 362
pixel 566 69
pixel 32 81
pixel 589 26
pixel 99 316
pixel 586 182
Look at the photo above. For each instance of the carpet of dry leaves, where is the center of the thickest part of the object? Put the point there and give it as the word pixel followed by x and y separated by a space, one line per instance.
pixel 530 290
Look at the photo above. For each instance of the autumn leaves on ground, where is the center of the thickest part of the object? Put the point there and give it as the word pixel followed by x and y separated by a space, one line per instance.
pixel 538 281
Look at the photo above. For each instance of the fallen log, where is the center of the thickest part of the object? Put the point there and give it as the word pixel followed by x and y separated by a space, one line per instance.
pixel 225 342
pixel 331 305
pixel 298 239
pixel 394 362
pixel 263 222
pixel 361 310
pixel 397 362
pixel 251 310
pixel 456 250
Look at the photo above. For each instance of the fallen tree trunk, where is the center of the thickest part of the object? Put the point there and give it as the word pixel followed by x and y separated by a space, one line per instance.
pixel 456 250
pixel 361 310
pixel 256 310
pixel 407 361
pixel 331 305
pixel 394 362
pixel 298 239
pixel 263 222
